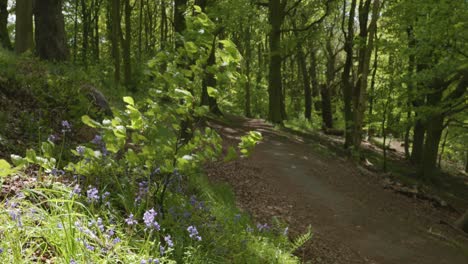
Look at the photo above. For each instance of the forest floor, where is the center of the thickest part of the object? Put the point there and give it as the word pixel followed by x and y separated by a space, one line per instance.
pixel 354 219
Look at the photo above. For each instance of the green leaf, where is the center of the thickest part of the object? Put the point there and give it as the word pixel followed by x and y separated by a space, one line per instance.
pixel 212 92
pixel 90 122
pixel 129 100
pixel 5 168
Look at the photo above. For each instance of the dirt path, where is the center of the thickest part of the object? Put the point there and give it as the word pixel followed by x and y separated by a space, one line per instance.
pixel 353 218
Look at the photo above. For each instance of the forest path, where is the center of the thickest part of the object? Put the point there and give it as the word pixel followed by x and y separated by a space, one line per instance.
pixel 353 218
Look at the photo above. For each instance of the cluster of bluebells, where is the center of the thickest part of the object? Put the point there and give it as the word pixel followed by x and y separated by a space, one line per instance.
pixel 263 227
pixel 97 140
pixel 92 194
pixel 56 172
pixel 143 189
pixel 199 205
pixel 149 219
pixel 131 220
pixel 193 233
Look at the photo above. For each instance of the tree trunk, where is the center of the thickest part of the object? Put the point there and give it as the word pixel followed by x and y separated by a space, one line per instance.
pixel 4 35
pixel 179 20
pixel 126 45
pixel 462 223
pixel 51 43
pixel 85 22
pixel 439 163
pixel 435 126
pixel 366 40
pixel 306 82
pixel 24 26
pixel 419 132
pixel 115 33
pixel 346 75
pixel 209 80
pixel 248 84
pixel 275 90
pixel 327 112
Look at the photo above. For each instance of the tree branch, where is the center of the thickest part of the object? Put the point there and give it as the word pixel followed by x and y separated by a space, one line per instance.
pixel 318 21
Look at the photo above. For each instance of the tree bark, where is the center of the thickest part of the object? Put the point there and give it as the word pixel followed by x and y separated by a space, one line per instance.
pixel 346 75
pixel 275 90
pixel 50 34
pixel 115 33
pixel 23 26
pixel 126 45
pixel 4 35
pixel 248 84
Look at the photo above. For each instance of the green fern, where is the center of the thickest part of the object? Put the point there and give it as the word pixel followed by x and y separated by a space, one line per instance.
pixel 301 240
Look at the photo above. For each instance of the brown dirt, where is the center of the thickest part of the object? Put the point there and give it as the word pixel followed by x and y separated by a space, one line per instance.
pixel 354 219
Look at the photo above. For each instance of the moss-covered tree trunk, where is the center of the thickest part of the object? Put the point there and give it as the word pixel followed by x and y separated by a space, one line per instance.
pixel 51 43
pixel 23 26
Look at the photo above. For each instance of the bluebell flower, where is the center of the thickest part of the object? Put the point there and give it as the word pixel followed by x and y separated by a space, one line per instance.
pixel 142 190
pixel 249 229
pixel 130 220
pixel 81 150
pixel 148 219
pixel 105 195
pixel 143 261
pixel 193 233
pixel 92 193
pixel 100 224
pixel 263 227
pixel 97 140
pixel 116 240
pixel 162 250
pixel 66 126
pixel 72 261
pixel 1 250
pixel 169 241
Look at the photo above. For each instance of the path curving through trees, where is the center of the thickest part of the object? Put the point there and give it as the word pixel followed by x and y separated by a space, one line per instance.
pixel 354 219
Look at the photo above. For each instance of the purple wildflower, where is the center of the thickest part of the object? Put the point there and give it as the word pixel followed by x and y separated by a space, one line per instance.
pixel 130 220
pixel 81 150
pixel 97 140
pixel 142 190
pixel 193 233
pixel 92 193
pixel 169 241
pixel 105 195
pixel 143 261
pixel 100 224
pixel 263 227
pixel 72 261
pixel 116 240
pixel 148 218
pixel 162 250
pixel 1 250
pixel 66 126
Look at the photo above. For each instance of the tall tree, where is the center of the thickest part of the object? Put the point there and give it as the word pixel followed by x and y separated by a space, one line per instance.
pixel 4 35
pixel 126 45
pixel 24 26
pixel 50 34
pixel 275 89
pixel 115 37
